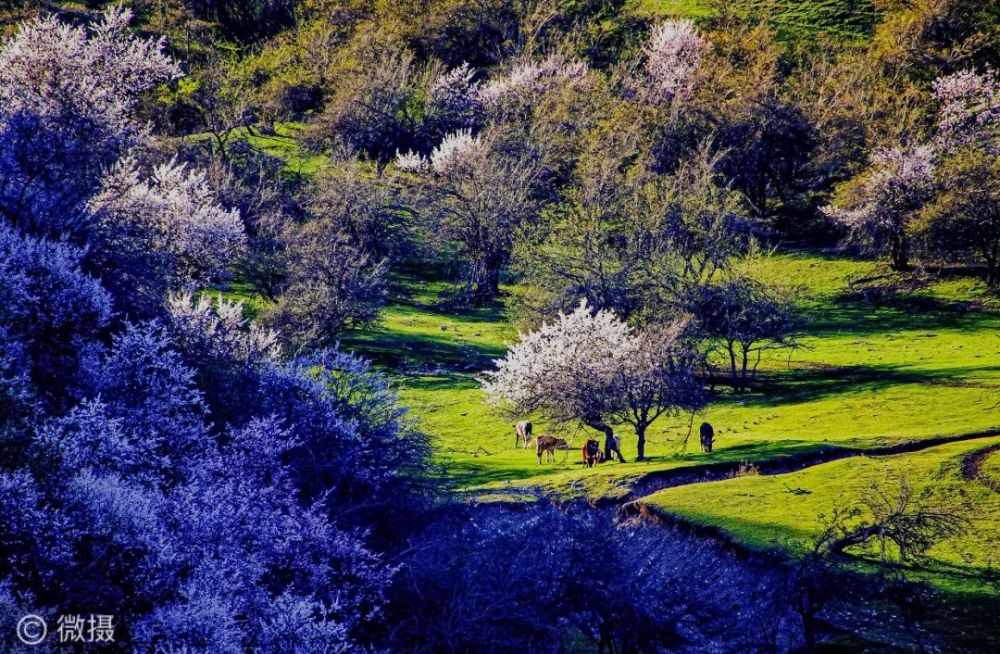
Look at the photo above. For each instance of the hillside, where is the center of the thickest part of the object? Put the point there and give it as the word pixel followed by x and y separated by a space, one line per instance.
pixel 283 281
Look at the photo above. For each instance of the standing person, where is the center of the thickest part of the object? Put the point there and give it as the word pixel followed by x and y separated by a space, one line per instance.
pixel 611 445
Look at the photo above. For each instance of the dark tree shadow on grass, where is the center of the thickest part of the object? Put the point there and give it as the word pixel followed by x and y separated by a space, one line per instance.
pixel 809 384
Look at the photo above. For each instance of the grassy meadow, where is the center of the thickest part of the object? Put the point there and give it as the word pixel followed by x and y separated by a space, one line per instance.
pixel 786 510
pixel 875 368
pixel 884 361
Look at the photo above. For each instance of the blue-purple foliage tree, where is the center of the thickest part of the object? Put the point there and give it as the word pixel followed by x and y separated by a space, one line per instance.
pixel 178 473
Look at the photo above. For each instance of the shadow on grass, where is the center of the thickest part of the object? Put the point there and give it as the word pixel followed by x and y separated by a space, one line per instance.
pixel 454 381
pixel 860 314
pixel 407 351
pixel 803 385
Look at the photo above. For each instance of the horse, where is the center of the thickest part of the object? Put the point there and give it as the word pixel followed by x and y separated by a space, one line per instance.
pixel 707 437
pixel 592 454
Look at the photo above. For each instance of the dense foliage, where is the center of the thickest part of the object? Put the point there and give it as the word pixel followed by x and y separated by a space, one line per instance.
pixel 222 477
pixel 181 474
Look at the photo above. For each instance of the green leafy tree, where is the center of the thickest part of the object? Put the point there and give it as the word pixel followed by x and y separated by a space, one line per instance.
pixel 962 224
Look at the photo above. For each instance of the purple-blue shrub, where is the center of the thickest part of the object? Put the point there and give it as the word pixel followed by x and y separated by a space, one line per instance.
pixel 195 540
pixel 49 310
pixel 354 444
pixel 16 390
pixel 144 385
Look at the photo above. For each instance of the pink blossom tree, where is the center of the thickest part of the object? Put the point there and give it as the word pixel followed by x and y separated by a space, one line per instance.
pixel 878 206
pixel 673 55
pixel 969 111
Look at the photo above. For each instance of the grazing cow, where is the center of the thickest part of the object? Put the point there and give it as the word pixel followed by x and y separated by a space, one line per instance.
pixel 549 443
pixel 707 437
pixel 522 432
pixel 592 454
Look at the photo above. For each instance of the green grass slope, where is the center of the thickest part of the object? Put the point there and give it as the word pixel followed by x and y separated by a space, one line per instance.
pixel 793 20
pixel 785 510
pixel 877 368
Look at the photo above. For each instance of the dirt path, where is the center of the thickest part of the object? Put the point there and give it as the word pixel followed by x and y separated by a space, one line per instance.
pixel 973 464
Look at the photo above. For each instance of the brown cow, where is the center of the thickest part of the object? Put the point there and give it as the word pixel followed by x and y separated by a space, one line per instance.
pixel 522 432
pixel 592 453
pixel 549 443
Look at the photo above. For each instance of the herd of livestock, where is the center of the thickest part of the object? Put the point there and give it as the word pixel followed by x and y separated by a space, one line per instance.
pixel 547 444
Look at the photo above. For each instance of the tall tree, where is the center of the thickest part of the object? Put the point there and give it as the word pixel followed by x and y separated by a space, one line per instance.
pixel 878 206
pixel 748 317
pixel 479 193
pixel 592 367
pixel 962 223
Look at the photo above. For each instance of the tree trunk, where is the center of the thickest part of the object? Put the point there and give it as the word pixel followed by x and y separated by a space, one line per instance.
pixel 732 367
pixel 640 443
pixel 484 285
pixel 992 268
pixel 809 632
pixel 744 385
pixel 597 423
pixel 899 253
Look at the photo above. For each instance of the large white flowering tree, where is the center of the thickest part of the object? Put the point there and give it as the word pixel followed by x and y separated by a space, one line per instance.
pixel 165 232
pixel 68 98
pixel 592 367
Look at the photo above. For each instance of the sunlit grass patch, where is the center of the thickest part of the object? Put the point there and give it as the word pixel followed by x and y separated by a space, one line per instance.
pixel 786 510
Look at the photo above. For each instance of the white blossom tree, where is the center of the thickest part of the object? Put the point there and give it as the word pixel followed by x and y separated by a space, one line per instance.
pixel 68 97
pixel 969 112
pixel 515 91
pixel 453 101
pixel 673 55
pixel 594 368
pixel 166 232
pixel 218 329
pixel 225 349
pixel 457 150
pixel 477 194
pixel 878 206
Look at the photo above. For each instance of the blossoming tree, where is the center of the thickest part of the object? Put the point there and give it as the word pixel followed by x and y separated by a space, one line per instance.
pixel 594 368
pixel 877 206
pixel 160 233
pixel 969 112
pixel 673 56
pixel 68 99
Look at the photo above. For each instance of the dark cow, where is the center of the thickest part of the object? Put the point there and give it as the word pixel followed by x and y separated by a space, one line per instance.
pixel 522 432
pixel 592 454
pixel 707 437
